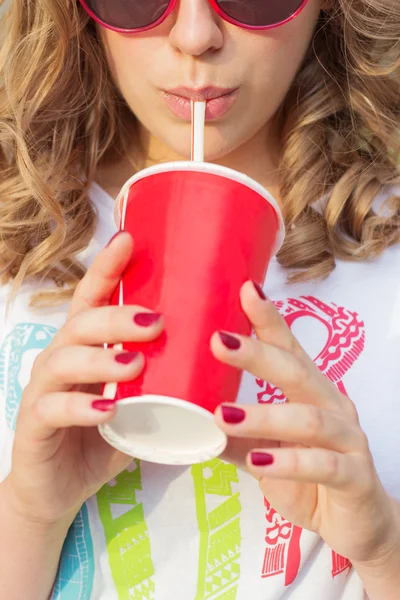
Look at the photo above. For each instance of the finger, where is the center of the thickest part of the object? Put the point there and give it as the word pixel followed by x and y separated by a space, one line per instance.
pixel 293 423
pixel 309 465
pixel 268 324
pixel 111 325
pixel 298 378
pixel 61 410
pixel 99 283
pixel 271 328
pixel 237 449
pixel 70 365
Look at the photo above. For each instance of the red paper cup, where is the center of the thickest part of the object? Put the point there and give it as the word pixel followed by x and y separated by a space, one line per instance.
pixel 200 232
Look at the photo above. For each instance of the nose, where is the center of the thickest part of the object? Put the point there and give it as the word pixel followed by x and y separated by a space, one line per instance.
pixel 196 28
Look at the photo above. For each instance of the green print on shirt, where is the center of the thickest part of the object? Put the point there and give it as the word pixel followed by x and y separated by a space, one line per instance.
pixel 220 535
pixel 127 538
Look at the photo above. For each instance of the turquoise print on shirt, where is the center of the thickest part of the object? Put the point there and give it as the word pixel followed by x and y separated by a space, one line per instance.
pixel 76 571
pixel 25 337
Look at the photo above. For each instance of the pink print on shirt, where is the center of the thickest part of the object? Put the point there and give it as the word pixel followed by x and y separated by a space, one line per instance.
pixel 343 345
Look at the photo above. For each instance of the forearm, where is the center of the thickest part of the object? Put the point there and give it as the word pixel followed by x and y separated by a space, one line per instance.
pixel 29 553
pixel 381 575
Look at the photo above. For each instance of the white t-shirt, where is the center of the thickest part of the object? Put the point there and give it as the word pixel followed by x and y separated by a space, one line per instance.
pixel 205 532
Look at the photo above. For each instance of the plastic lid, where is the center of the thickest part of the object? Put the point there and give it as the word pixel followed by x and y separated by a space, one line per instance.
pixel 164 430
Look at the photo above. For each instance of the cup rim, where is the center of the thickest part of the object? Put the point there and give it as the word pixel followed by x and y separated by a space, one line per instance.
pixel 200 167
pixel 153 449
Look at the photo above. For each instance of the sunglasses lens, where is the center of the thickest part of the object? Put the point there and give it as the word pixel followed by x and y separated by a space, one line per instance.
pixel 259 13
pixel 128 14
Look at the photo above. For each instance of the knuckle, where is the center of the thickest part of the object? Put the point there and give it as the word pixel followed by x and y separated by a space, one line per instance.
pixel 299 373
pixel 69 406
pixel 364 480
pixel 86 325
pixel 351 409
pixel 56 365
pixel 73 327
pixel 314 422
pixel 253 351
pixel 363 442
pixel 295 462
pixel 331 465
pixel 111 318
pixel 39 411
pixel 39 361
pixel 253 357
pixel 93 359
pixel 367 471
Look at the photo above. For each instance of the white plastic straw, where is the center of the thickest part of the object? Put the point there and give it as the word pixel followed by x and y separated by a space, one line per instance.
pixel 198 123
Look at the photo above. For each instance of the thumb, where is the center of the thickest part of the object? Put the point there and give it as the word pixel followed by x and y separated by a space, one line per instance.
pixel 97 286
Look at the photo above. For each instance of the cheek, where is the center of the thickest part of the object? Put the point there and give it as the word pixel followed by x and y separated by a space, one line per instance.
pixel 278 64
pixel 269 78
pixel 129 60
pixel 277 57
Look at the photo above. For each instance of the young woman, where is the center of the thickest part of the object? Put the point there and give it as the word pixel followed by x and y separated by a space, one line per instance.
pixel 303 96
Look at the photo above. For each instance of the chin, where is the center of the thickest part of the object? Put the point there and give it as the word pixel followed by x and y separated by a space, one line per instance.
pixel 215 148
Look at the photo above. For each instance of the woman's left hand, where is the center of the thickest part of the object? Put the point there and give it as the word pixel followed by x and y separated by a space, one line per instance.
pixel 310 454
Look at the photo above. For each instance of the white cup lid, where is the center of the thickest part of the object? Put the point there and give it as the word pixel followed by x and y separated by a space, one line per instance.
pixel 164 430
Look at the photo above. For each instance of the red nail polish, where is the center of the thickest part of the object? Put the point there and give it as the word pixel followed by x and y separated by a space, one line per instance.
pixel 261 459
pixel 126 357
pixel 232 414
pixel 113 238
pixel 146 319
pixel 103 405
pixel 231 342
pixel 259 290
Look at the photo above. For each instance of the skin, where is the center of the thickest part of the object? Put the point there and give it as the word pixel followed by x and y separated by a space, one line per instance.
pixel 198 48
pixel 322 476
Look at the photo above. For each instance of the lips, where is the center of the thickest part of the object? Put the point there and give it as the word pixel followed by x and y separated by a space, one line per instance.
pixel 200 95
pixel 219 101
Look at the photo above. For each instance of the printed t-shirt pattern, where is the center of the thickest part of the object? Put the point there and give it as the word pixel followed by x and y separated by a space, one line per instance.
pixel 205 532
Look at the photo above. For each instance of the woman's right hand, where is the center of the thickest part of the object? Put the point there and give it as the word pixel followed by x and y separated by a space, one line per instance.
pixel 59 458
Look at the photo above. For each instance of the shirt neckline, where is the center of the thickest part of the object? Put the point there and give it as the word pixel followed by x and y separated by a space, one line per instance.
pixel 104 197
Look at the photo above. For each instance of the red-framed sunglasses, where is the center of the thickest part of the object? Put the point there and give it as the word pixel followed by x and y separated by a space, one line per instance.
pixel 131 16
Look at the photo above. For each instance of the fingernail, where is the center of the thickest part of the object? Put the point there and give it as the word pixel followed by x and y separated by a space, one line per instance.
pixel 103 405
pixel 126 357
pixel 259 290
pixel 261 459
pixel 232 414
pixel 113 238
pixel 146 319
pixel 229 341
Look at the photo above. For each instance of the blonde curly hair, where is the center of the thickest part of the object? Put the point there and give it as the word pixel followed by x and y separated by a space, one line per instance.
pixel 61 117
